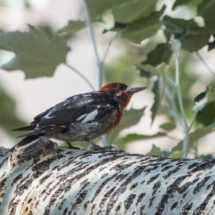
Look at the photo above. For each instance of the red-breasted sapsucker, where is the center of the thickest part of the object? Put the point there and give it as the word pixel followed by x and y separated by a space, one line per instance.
pixel 82 117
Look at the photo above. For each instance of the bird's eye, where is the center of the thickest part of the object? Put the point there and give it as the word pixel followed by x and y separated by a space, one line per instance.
pixel 122 87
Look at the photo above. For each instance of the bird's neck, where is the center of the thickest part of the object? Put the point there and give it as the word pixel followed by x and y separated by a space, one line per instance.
pixel 124 100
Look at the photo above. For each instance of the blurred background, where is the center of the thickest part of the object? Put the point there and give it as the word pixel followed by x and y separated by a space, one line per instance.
pixel 21 99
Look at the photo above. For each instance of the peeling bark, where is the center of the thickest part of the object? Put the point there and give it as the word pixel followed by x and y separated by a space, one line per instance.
pixel 45 179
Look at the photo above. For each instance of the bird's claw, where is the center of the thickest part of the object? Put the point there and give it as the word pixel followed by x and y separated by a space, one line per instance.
pixel 103 149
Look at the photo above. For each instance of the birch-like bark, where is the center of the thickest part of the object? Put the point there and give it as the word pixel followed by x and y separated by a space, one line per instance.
pixel 46 179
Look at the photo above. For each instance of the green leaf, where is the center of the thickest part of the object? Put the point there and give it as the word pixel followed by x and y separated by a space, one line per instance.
pixel 158 91
pixel 8 118
pixel 192 36
pixel 140 29
pixel 130 117
pixel 161 54
pixel 176 154
pixel 200 101
pixel 193 137
pixel 97 7
pixel 143 73
pixel 207 115
pixel 158 70
pixel 205 105
pixel 130 12
pixel 180 3
pixel 155 151
pixel 136 137
pixel 206 10
pixel 168 126
pixel 35 54
pixel 72 27
pixel 211 45
pixel 207 156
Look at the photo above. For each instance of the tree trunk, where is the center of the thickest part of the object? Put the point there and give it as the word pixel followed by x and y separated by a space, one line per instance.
pixel 44 179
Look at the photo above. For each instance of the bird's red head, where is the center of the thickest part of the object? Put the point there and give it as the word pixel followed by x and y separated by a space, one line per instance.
pixel 122 91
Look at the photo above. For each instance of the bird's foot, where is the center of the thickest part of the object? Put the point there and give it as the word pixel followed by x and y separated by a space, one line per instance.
pixel 71 147
pixel 96 147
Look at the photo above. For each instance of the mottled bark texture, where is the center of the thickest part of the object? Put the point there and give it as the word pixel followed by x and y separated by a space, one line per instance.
pixel 44 179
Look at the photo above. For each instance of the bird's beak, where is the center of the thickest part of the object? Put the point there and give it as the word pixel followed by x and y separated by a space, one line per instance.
pixel 135 90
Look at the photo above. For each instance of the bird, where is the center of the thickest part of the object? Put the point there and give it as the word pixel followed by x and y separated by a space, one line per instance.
pixel 82 117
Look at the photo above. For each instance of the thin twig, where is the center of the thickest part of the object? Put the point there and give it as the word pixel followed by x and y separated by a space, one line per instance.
pixel 192 120
pixel 171 81
pixel 75 70
pixel 176 49
pixel 89 25
pixel 108 47
pixel 100 63
pixel 173 106
pixel 203 61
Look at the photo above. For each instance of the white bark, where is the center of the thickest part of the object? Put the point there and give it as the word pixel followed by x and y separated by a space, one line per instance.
pixel 45 179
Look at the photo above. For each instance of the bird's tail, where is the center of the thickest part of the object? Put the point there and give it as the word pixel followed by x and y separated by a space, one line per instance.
pixel 29 139
pixel 26 140
pixel 26 128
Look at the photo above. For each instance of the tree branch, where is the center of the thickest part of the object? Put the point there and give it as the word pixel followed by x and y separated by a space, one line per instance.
pixel 46 179
pixel 82 76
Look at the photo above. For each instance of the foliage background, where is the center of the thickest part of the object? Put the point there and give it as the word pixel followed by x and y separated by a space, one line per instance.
pixel 138 34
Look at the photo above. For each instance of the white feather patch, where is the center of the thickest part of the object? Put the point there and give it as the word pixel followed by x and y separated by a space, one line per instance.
pixel 47 115
pixel 90 116
pixel 81 117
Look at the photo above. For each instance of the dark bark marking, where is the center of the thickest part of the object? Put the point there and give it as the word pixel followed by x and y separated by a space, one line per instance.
pixel 141 209
pixel 156 187
pixel 3 187
pixel 93 208
pixel 18 177
pixel 200 185
pixel 201 208
pixel 4 161
pixel 140 197
pixel 192 165
pixel 106 196
pixel 206 165
pixel 118 207
pixel 152 179
pixel 104 175
pixel 171 172
pixel 151 201
pixel 86 204
pixel 174 205
pixel 12 207
pixel 142 182
pixel 61 204
pixel 128 202
pixel 166 168
pixel 169 194
pixel 184 195
pixel 102 186
pixel 42 180
pixel 186 209
pixel 120 177
pixel 65 211
pixel 184 187
pixel 121 167
pixel 47 211
pixel 81 197
pixel 164 164
pixel 133 186
pixel 138 171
